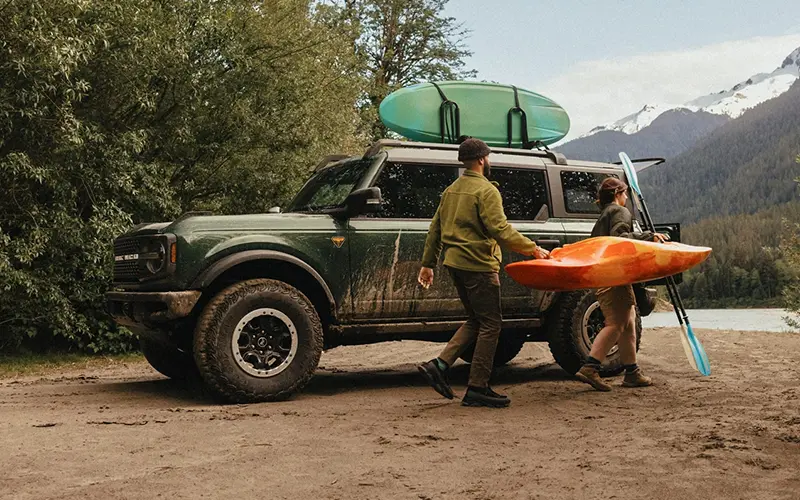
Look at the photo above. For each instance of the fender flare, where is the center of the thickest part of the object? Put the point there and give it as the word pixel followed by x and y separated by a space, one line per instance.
pixel 215 270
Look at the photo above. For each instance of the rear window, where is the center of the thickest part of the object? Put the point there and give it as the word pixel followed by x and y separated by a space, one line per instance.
pixel 524 191
pixel 580 190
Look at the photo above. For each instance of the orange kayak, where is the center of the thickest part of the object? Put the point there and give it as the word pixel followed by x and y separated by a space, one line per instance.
pixel 606 261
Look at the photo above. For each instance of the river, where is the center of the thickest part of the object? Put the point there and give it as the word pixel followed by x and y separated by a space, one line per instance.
pixel 763 320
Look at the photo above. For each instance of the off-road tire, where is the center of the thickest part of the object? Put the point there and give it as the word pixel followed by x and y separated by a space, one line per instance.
pixel 565 336
pixel 168 361
pixel 214 333
pixel 508 346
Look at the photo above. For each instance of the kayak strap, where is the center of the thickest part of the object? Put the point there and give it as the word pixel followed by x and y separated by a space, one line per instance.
pixel 526 144
pixel 449 118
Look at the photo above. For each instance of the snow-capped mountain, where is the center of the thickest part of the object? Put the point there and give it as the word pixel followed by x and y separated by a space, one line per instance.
pixel 733 102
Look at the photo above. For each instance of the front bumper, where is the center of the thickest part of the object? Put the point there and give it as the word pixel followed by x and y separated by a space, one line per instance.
pixel 150 309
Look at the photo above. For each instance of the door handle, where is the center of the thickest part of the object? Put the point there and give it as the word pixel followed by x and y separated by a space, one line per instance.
pixel 548 243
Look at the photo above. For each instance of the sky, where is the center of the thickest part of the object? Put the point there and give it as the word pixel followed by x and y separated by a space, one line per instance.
pixel 605 59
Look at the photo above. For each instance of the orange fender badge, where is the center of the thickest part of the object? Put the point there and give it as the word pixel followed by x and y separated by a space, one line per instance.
pixel 338 241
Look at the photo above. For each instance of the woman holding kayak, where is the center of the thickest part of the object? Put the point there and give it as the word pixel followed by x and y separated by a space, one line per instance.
pixel 616 303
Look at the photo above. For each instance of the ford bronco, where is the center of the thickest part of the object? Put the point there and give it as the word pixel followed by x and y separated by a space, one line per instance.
pixel 251 301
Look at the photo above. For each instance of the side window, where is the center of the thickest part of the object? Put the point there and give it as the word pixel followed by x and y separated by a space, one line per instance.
pixel 580 191
pixel 524 191
pixel 413 191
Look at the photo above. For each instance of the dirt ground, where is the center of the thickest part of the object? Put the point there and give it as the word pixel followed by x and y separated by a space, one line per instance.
pixel 367 427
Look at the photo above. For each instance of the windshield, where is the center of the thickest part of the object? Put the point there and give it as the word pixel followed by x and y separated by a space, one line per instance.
pixel 330 187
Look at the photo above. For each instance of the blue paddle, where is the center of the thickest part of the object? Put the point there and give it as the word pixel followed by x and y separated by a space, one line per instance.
pixel 694 350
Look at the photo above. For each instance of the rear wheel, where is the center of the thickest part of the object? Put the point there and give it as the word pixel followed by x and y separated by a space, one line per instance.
pixel 258 340
pixel 508 346
pixel 572 327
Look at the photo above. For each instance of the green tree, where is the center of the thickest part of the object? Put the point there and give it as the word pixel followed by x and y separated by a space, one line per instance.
pixel 118 112
pixel 791 249
pixel 400 43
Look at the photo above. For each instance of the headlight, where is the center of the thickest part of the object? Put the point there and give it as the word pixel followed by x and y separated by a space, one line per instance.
pixel 155 256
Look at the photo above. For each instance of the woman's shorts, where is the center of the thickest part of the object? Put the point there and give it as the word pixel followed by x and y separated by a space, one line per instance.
pixel 616 303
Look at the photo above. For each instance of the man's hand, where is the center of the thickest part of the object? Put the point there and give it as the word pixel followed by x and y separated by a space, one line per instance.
pixel 541 253
pixel 425 277
pixel 660 238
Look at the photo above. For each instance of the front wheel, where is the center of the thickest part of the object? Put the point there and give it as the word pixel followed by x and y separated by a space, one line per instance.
pixel 168 361
pixel 258 340
pixel 572 327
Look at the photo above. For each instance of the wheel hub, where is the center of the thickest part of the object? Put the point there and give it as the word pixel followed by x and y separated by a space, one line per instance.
pixel 264 342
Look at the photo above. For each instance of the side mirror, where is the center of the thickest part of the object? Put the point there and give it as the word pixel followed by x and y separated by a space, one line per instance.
pixel 274 210
pixel 360 201
pixel 364 201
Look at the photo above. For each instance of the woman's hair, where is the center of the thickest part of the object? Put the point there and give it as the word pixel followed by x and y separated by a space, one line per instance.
pixel 608 190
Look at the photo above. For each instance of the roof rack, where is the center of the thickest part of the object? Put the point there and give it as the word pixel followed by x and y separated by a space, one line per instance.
pixel 328 160
pixel 378 146
pixel 650 162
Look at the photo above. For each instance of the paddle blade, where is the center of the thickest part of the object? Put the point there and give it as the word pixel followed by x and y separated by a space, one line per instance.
pixel 630 172
pixel 700 356
pixel 687 348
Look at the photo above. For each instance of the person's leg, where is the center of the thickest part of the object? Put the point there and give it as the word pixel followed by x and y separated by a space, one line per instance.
pixel 485 299
pixel 615 319
pixel 634 377
pixel 627 340
pixel 605 340
pixel 468 332
pixel 435 370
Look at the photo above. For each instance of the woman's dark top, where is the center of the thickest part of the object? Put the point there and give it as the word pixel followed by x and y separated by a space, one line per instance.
pixel 616 220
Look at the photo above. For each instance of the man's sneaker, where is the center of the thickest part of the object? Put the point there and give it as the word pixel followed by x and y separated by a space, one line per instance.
pixel 436 378
pixel 483 397
pixel 636 379
pixel 591 376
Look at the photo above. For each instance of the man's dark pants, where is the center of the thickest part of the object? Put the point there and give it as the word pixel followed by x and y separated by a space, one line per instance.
pixel 480 294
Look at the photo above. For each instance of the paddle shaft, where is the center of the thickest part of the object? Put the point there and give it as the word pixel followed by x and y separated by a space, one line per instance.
pixel 672 287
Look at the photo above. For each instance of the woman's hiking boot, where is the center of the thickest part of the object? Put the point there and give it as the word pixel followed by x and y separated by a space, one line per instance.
pixel 591 376
pixel 636 379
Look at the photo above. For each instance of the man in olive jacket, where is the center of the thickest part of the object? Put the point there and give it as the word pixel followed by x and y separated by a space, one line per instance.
pixel 468 225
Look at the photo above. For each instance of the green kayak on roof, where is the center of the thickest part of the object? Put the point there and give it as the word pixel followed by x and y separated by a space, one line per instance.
pixel 500 115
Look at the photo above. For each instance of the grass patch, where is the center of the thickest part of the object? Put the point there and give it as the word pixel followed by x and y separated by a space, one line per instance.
pixel 12 366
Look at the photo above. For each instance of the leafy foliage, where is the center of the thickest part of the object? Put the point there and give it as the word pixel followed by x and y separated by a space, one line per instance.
pixel 118 112
pixel 791 250
pixel 749 266
pixel 400 43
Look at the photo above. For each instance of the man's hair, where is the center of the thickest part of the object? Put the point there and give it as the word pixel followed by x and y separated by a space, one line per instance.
pixel 472 149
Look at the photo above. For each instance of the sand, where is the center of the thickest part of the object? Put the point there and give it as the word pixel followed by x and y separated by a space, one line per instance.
pixel 367 427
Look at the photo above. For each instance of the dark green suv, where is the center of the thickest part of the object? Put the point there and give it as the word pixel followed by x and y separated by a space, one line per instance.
pixel 252 300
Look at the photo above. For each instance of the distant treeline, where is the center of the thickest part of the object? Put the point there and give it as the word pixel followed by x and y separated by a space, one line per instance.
pixel 747 268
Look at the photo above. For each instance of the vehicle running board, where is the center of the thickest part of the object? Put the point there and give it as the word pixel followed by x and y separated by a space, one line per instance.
pixel 423 327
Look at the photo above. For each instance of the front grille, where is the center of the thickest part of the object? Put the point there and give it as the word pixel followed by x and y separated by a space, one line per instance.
pixel 141 252
pixel 125 246
pixel 127 271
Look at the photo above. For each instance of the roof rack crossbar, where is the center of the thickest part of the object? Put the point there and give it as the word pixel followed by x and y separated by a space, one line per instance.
pixel 377 146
